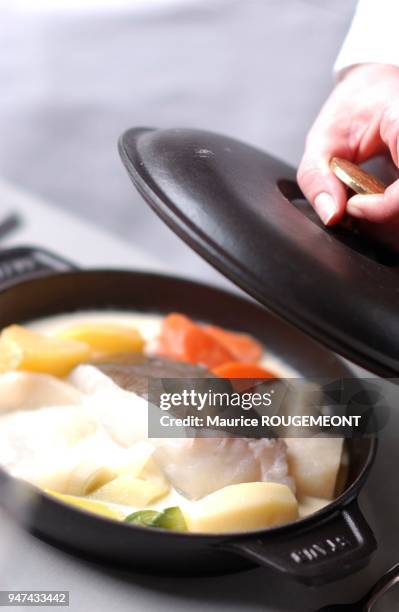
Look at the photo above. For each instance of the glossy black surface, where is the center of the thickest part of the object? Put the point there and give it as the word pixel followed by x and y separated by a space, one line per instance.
pixel 158 551
pixel 240 209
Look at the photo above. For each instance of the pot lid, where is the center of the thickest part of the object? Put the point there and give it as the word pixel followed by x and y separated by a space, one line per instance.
pixel 242 210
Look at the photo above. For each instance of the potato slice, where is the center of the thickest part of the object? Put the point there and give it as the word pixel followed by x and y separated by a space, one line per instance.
pixel 10 357
pixel 24 349
pixel 131 491
pixel 242 507
pixel 105 338
pixel 314 463
pixel 83 503
pixel 310 505
pixel 139 480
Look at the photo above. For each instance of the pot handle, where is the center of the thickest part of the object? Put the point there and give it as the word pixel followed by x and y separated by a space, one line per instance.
pixel 336 547
pixel 23 263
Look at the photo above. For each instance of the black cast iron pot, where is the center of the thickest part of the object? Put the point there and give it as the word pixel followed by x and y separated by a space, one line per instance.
pixel 330 544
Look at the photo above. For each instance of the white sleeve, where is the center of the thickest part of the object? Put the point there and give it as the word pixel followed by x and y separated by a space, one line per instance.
pixel 373 35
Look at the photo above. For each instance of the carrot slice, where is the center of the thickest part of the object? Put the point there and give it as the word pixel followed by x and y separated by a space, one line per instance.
pixel 242 346
pixel 237 369
pixel 183 340
pixel 244 376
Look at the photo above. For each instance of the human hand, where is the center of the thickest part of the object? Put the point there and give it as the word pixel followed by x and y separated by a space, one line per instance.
pixel 359 120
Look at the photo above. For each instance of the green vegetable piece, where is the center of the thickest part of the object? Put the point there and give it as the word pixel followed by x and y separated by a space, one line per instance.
pixel 171 518
pixel 145 518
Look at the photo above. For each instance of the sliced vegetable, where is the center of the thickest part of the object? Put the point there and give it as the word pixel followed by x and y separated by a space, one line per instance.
pixel 183 340
pixel 310 505
pixel 236 369
pixel 131 491
pixel 242 346
pixel 242 507
pixel 143 517
pixel 314 463
pixel 105 338
pixel 138 458
pixel 10 357
pixel 208 345
pixel 88 476
pixel 25 349
pixel 89 505
pixel 171 518
pixel 242 375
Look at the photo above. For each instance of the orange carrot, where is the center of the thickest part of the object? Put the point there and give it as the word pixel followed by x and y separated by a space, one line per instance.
pixel 242 346
pixel 237 369
pixel 243 375
pixel 183 340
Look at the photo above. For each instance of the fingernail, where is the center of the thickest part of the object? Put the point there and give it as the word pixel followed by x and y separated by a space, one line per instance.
pixel 325 207
pixel 354 211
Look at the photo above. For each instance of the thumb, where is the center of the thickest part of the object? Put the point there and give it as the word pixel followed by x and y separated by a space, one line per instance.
pixel 321 187
pixel 379 208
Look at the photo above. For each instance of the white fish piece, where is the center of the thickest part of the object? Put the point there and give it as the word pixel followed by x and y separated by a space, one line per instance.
pixel 199 466
pixel 45 474
pixel 122 413
pixel 47 431
pixel 28 391
pixel 73 448
pixel 90 380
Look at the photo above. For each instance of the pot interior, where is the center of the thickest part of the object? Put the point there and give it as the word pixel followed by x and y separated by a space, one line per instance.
pixel 151 293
